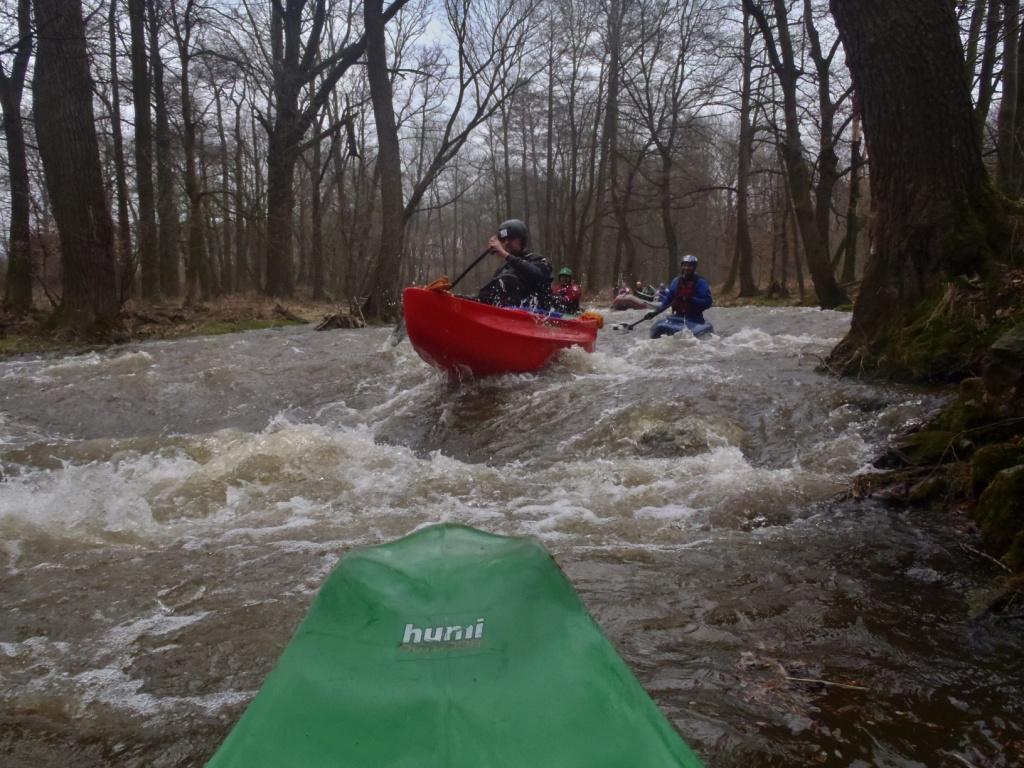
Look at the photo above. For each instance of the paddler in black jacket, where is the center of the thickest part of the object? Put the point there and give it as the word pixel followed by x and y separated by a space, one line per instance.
pixel 524 278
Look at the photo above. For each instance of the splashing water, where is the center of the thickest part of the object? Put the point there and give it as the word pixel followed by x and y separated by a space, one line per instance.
pixel 168 511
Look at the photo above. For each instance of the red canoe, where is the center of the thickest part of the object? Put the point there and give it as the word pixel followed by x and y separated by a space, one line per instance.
pixel 458 335
pixel 631 301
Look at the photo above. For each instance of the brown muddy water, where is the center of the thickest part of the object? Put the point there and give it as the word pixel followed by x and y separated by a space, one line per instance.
pixel 168 510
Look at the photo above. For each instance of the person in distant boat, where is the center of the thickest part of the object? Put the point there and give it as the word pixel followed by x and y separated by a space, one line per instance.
pixel 662 292
pixel 567 292
pixel 644 292
pixel 524 278
pixel 688 294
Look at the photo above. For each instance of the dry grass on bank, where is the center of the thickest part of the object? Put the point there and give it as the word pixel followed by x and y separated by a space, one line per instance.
pixel 141 321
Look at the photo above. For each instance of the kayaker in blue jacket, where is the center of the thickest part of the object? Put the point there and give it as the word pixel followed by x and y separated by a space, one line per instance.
pixel 524 277
pixel 689 294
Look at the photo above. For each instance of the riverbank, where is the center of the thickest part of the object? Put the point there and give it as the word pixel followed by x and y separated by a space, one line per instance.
pixel 143 321
pixel 969 460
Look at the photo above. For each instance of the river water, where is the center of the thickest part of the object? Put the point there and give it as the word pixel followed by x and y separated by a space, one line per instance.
pixel 168 511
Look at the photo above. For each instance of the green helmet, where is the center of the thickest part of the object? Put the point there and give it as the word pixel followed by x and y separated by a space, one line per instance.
pixel 565 271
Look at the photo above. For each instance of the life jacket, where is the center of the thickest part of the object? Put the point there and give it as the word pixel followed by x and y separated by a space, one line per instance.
pixel 685 291
pixel 510 287
pixel 570 292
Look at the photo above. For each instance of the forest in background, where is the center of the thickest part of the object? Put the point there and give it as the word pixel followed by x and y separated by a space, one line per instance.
pixel 340 151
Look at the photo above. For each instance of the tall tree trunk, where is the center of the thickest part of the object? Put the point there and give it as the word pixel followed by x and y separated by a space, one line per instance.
pixel 524 175
pixel 149 258
pixel 828 160
pixel 167 205
pixel 316 246
pixel 18 289
pixel 196 274
pixel 242 268
pixel 297 64
pixel 973 38
pixel 986 78
pixel 744 257
pixel 783 219
pixel 124 231
pixel 506 117
pixel 281 158
pixel 227 280
pixel 668 224
pixel 66 132
pixel 299 228
pixel 1007 174
pixel 936 214
pixel 384 293
pixel 852 215
pixel 549 148
pixel 608 167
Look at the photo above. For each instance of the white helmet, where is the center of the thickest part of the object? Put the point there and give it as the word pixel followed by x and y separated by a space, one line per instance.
pixel 690 259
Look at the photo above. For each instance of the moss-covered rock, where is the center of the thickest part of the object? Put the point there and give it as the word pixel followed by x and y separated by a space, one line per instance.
pixel 941 340
pixel 1000 515
pixel 948 334
pixel 933 446
pixel 928 489
pixel 990 460
pixel 969 410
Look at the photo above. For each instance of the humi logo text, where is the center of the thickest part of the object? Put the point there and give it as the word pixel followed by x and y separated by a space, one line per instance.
pixel 444 634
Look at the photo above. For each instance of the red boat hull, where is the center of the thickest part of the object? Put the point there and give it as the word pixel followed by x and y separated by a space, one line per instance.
pixel 461 335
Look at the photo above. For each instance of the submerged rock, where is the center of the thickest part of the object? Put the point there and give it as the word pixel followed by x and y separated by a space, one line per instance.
pixel 933 446
pixel 970 410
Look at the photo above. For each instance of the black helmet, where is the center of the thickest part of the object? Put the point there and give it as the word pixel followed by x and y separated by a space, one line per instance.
pixel 513 228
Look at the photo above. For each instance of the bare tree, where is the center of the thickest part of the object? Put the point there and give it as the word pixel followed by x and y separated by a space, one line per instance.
pixel 743 255
pixel 166 196
pixel 18 291
pixel 68 146
pixel 148 253
pixel 781 53
pixel 124 233
pixel 185 22
pixel 491 69
pixel 671 75
pixel 936 214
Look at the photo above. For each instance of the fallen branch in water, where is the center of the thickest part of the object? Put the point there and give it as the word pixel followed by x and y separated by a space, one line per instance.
pixel 847 686
pixel 340 320
pixel 968 548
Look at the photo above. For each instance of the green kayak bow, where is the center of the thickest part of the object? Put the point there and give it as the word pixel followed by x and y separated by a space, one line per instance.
pixel 451 648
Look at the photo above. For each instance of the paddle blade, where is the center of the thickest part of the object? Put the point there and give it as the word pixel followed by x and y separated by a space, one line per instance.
pixel 398 334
